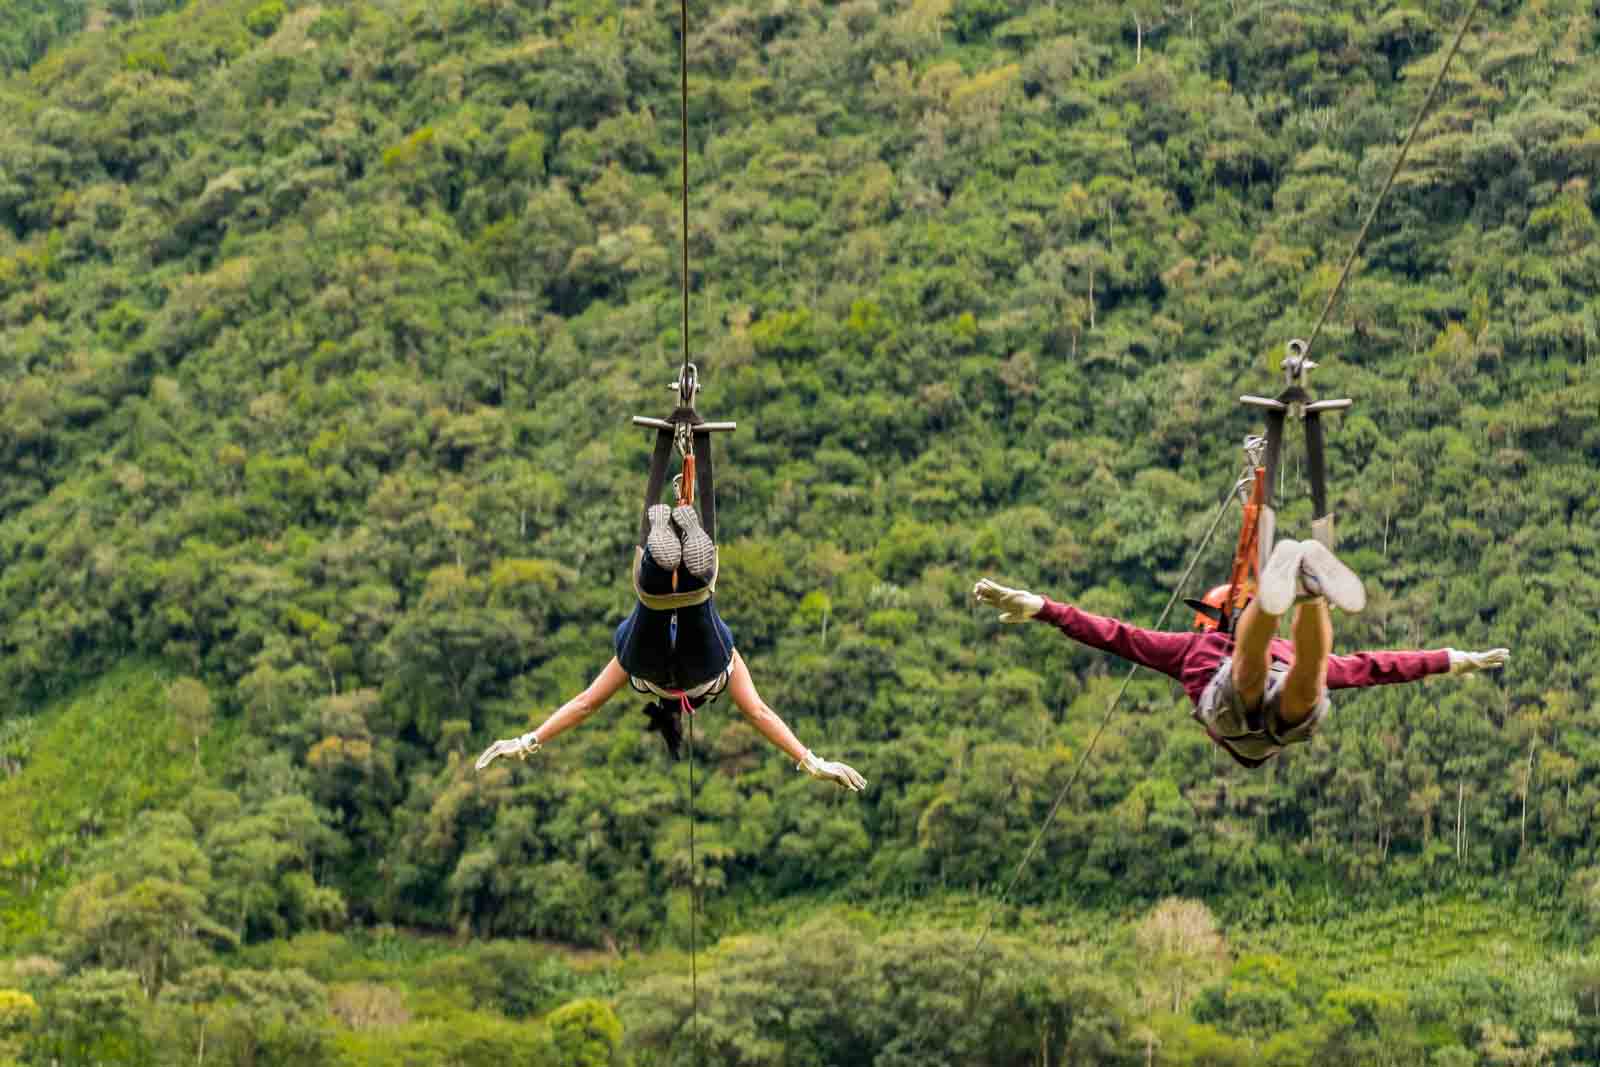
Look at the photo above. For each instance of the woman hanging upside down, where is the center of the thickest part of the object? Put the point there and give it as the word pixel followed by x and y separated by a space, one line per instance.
pixel 1257 693
pixel 676 648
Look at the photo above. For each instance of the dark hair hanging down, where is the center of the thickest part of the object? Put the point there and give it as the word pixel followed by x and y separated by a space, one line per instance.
pixel 663 716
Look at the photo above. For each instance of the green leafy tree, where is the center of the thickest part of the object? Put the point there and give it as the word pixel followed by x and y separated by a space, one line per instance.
pixel 145 908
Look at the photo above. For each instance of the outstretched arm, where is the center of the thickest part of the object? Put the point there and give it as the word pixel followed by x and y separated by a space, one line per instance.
pixel 1361 669
pixel 570 714
pixel 611 678
pixel 742 688
pixel 1157 649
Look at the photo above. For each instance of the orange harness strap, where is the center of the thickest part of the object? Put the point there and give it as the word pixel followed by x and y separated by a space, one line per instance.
pixel 1245 574
pixel 686 486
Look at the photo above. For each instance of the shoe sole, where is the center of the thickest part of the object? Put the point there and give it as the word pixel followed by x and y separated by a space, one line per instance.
pixel 662 544
pixel 1278 577
pixel 1339 583
pixel 699 552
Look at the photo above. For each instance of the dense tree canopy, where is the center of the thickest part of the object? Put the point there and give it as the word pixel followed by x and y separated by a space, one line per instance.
pixel 319 329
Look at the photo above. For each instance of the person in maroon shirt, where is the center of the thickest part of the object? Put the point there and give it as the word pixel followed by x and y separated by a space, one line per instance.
pixel 1254 693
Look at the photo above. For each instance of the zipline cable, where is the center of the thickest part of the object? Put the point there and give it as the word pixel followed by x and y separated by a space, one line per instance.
pixel 1111 708
pixel 683 200
pixel 1399 161
pixel 683 165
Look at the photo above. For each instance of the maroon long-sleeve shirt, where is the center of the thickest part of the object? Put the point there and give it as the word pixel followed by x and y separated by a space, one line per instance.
pixel 1192 658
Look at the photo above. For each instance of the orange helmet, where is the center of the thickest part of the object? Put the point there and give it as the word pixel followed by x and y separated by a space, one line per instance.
pixel 1209 609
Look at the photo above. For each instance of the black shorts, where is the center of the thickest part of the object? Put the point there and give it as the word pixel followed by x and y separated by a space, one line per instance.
pixel 673 649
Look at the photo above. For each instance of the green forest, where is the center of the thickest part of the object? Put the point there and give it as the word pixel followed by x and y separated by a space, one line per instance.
pixel 321 325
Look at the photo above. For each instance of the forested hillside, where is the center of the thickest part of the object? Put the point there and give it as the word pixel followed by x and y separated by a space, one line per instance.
pixel 320 327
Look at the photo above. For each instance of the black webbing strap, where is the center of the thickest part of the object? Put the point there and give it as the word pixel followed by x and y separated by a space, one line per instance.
pixel 661 460
pixel 705 485
pixel 1317 466
pixel 1295 400
pixel 1274 453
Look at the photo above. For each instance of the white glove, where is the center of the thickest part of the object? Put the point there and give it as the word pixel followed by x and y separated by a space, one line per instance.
pixel 837 773
pixel 1016 605
pixel 1467 662
pixel 521 747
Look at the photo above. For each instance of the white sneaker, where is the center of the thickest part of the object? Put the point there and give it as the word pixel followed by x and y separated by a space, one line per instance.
pixel 699 554
pixel 662 542
pixel 1279 578
pixel 1323 575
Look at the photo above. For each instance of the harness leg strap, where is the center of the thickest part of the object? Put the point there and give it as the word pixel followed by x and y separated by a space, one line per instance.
pixel 1321 516
pixel 1266 525
pixel 658 478
pixel 705 484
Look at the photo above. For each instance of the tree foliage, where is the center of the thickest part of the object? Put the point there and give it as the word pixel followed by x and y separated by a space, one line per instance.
pixel 319 327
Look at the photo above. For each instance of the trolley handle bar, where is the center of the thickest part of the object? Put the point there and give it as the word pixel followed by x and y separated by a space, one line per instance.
pixel 1278 405
pixel 699 427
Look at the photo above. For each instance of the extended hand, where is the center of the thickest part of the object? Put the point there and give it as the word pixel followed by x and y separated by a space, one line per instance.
pixel 521 747
pixel 1015 605
pixel 841 774
pixel 1467 662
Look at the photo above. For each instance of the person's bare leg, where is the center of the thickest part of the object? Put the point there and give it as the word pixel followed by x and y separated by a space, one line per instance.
pixel 1253 635
pixel 1258 624
pixel 1312 632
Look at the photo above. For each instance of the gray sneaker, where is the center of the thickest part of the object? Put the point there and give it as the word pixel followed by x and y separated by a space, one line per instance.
pixel 1279 577
pixel 699 554
pixel 1323 575
pixel 662 542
